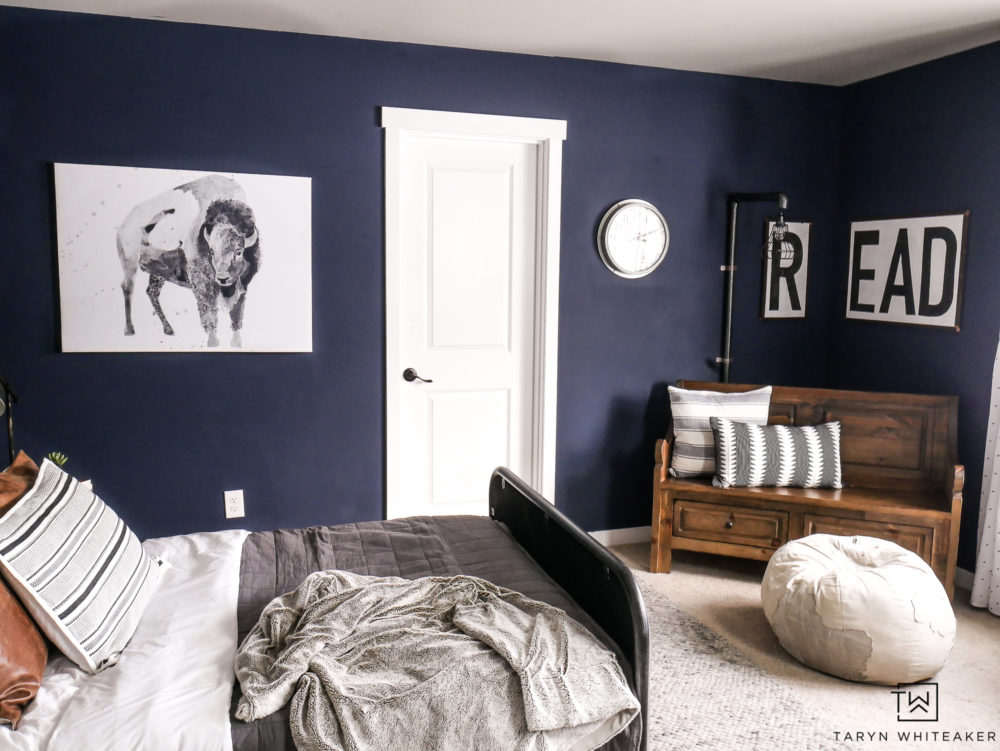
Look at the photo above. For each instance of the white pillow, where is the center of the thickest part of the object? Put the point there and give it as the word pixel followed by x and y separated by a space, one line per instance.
pixel 78 569
pixel 693 452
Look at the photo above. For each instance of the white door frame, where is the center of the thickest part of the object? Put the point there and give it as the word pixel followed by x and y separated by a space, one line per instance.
pixel 548 136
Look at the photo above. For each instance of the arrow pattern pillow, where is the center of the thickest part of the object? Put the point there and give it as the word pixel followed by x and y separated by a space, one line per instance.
pixel 776 455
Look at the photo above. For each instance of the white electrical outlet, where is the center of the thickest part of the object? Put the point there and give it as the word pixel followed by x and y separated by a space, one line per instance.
pixel 234 503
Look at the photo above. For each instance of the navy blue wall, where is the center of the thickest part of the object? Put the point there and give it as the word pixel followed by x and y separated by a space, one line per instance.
pixel 164 434
pixel 924 140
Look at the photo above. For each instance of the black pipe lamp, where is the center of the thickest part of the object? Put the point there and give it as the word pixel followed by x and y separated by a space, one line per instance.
pixel 776 246
pixel 7 398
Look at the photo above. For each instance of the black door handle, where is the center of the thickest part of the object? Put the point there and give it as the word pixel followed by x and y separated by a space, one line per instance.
pixel 410 375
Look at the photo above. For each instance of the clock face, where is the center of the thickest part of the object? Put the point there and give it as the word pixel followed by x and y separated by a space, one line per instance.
pixel 633 238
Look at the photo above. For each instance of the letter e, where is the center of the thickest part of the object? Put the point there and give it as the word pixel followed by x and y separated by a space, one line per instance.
pixel 858 274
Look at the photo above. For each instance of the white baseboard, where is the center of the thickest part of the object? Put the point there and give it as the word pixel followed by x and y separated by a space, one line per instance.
pixel 626 535
pixel 623 536
pixel 964 578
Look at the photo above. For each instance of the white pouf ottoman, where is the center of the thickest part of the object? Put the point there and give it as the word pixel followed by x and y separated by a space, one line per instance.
pixel 860 608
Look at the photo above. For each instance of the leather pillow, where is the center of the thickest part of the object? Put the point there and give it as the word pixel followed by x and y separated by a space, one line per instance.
pixel 22 658
pixel 16 480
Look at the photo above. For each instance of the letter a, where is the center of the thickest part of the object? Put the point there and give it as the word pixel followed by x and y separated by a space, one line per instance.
pixel 900 260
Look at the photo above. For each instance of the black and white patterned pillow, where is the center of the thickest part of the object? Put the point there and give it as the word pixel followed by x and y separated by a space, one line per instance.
pixel 78 569
pixel 693 452
pixel 807 456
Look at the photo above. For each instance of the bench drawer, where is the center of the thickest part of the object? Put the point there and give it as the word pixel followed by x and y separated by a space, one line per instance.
pixel 918 539
pixel 733 524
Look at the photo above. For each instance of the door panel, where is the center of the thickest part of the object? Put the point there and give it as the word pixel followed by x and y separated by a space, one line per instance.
pixel 458 467
pixel 470 248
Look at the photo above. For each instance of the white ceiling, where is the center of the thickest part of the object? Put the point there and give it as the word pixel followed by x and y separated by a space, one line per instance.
pixel 820 41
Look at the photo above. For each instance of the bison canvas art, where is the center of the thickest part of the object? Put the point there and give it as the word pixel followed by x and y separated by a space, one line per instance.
pixel 192 242
pixel 201 235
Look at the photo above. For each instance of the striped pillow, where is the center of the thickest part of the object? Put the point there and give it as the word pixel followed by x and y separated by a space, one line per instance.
pixel 693 451
pixel 79 571
pixel 776 455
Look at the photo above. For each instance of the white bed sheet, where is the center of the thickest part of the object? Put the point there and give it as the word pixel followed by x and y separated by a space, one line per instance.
pixel 173 685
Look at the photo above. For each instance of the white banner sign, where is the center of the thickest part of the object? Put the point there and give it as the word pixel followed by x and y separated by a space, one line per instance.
pixel 908 270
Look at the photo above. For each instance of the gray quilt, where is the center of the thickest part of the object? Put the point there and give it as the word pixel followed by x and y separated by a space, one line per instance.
pixel 277 562
pixel 432 664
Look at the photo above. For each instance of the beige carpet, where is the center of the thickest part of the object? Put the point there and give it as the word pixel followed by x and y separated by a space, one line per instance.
pixel 724 594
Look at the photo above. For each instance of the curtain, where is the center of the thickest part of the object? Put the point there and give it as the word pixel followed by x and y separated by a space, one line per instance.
pixel 986 585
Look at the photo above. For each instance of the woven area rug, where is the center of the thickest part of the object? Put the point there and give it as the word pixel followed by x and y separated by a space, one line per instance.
pixel 706 694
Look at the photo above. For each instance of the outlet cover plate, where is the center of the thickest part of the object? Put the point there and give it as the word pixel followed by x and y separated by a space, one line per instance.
pixel 234 503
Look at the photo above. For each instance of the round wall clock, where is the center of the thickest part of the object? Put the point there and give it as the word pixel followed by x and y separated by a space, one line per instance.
pixel 633 238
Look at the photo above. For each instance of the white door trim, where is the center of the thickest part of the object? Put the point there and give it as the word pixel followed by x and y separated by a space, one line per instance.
pixel 548 135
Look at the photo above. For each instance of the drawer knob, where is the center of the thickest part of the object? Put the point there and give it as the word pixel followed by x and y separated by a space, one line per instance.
pixel 729 524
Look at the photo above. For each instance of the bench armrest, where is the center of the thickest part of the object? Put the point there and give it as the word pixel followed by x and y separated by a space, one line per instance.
pixel 956 481
pixel 662 461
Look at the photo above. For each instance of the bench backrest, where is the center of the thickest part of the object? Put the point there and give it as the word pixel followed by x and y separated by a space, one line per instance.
pixel 889 441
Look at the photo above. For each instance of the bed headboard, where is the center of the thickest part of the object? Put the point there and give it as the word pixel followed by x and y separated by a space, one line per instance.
pixel 599 582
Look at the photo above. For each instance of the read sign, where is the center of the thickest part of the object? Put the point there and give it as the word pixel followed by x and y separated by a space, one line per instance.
pixel 908 270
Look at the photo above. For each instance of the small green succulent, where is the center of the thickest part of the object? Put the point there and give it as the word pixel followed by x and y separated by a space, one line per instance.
pixel 57 457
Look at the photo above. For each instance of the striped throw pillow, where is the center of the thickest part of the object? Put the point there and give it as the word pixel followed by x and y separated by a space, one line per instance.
pixel 776 455
pixel 693 451
pixel 78 569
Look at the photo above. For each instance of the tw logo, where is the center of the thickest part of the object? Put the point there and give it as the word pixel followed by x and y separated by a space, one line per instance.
pixel 916 702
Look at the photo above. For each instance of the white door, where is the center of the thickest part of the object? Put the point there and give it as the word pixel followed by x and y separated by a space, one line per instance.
pixel 464 308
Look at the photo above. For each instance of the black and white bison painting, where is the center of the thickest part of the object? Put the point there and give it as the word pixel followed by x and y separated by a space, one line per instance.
pixel 200 235
pixel 164 260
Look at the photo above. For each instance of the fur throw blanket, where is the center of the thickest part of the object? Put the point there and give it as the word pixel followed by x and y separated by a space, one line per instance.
pixel 439 663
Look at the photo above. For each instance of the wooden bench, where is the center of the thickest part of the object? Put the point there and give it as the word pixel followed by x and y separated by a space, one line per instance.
pixel 901 483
